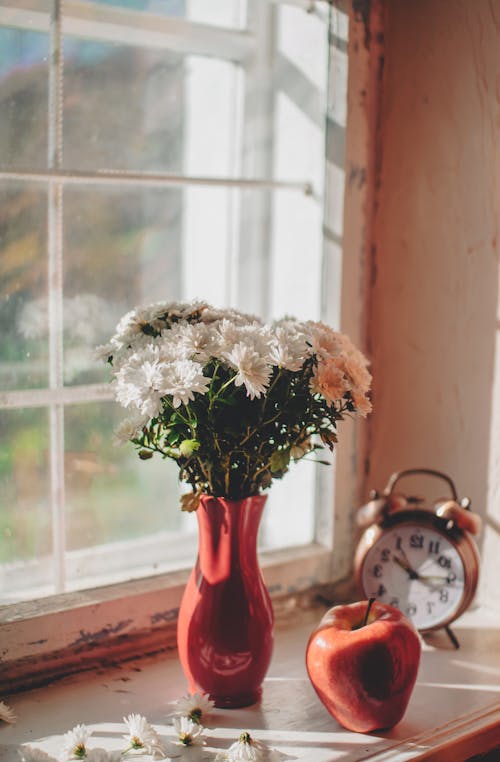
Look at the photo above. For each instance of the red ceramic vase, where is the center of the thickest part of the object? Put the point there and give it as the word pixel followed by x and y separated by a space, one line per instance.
pixel 225 628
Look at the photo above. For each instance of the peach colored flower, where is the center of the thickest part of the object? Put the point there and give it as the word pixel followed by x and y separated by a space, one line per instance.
pixel 363 404
pixel 329 381
pixel 357 372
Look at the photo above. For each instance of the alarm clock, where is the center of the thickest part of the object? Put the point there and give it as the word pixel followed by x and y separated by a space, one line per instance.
pixel 421 559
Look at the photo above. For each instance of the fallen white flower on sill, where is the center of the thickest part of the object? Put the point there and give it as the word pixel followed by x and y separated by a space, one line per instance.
pixel 246 749
pixel 75 743
pixel 194 706
pixel 143 737
pixel 6 714
pixel 189 733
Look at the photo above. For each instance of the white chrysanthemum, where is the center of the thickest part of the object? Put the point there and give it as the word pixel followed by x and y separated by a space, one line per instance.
pixel 137 384
pixel 74 743
pixel 246 748
pixel 254 335
pixel 186 310
pixel 195 706
pixel 181 379
pixel 142 736
pixel 193 341
pixel 252 371
pixel 32 754
pixel 6 714
pixel 139 321
pixel 288 348
pixel 189 733
pixel 211 315
pixel 129 428
pixel 155 371
pixel 105 351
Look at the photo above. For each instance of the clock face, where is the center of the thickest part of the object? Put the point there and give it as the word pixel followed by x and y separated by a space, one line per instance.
pixel 418 570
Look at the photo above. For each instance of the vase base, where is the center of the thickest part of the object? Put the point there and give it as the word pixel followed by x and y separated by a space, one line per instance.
pixel 236 702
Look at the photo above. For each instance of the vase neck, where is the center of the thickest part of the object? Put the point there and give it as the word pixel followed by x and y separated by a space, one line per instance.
pixel 228 535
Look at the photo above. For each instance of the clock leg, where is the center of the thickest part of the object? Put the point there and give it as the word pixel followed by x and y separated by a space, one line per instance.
pixel 452 636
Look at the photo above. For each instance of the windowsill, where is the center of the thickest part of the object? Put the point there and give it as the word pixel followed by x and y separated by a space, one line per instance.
pixel 453 714
pixel 74 632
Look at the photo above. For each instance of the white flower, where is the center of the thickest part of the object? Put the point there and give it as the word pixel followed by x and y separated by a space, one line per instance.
pixel 137 384
pixel 288 348
pixel 74 743
pixel 154 372
pixel 254 335
pixel 142 736
pixel 140 320
pixel 252 370
pixel 246 748
pixel 128 429
pixel 211 315
pixel 181 379
pixel 105 351
pixel 195 706
pixel 31 754
pixel 189 733
pixel 192 341
pixel 6 714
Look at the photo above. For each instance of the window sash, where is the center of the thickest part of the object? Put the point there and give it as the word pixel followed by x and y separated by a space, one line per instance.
pixel 58 396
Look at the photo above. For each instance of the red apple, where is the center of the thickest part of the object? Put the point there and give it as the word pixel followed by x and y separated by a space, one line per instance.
pixel 364 668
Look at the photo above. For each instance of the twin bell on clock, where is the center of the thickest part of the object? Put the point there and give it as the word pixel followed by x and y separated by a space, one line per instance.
pixel 417 556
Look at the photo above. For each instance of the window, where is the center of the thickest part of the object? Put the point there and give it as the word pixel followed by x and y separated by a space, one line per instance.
pixel 151 150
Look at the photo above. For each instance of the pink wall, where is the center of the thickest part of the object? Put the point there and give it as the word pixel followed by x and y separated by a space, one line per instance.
pixel 434 301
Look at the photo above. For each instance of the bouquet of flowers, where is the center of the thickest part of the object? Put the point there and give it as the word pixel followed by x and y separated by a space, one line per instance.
pixel 233 400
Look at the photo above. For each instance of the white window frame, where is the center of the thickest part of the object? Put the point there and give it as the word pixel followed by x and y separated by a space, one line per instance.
pixel 66 632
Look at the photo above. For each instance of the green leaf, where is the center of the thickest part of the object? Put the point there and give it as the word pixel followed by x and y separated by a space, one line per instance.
pixel 279 460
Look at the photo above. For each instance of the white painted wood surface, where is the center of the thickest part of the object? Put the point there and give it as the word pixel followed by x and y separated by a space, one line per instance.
pixel 457 696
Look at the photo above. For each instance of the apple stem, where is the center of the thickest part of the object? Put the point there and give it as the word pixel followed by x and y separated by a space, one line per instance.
pixel 367 612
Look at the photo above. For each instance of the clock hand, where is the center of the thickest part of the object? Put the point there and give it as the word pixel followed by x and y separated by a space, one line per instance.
pixel 429 577
pixel 405 564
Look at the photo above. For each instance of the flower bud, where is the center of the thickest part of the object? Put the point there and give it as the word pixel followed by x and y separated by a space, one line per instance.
pixel 188 446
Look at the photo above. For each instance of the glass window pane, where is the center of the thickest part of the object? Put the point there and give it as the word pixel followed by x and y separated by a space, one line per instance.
pixel 24 59
pixel 147 109
pixel 302 39
pixel 25 519
pixel 23 286
pixel 129 255
pixel 131 108
pixel 112 497
pixel 143 246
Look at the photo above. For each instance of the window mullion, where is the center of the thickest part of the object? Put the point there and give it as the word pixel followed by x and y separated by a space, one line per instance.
pixel 258 138
pixel 55 295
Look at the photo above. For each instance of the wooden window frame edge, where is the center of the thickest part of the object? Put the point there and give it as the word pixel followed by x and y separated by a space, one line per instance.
pixel 52 638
